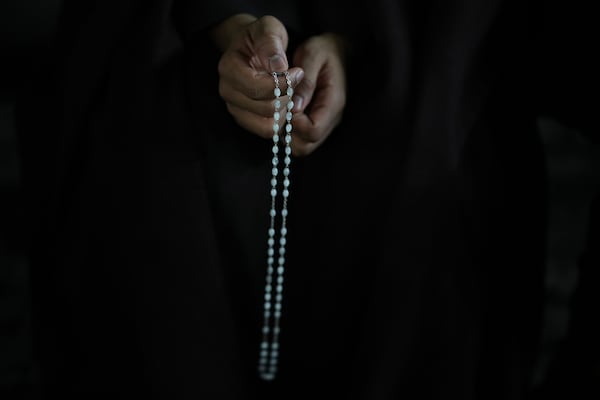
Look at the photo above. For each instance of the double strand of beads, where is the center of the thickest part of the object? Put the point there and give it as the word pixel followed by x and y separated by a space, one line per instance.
pixel 269 347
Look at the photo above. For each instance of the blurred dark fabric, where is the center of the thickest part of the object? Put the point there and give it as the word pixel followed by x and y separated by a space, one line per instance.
pixel 26 33
pixel 570 342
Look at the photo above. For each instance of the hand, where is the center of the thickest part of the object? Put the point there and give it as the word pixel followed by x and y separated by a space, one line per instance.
pixel 252 49
pixel 320 97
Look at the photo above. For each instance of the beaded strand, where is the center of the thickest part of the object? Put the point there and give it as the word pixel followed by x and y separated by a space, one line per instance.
pixel 269 347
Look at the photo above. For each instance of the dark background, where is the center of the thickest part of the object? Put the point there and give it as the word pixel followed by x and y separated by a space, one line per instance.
pixel 26 31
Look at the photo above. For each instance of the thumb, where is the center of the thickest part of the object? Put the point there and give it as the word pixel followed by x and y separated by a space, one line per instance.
pixel 269 40
pixel 305 90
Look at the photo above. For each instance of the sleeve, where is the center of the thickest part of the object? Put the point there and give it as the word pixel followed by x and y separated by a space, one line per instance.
pixel 574 371
pixel 566 82
pixel 192 16
pixel 565 67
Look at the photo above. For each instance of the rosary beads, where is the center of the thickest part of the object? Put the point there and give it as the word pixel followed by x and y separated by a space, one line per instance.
pixel 269 346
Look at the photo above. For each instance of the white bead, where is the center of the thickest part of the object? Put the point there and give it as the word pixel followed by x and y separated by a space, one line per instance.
pixel 282 251
pixel 270 260
pixel 286 182
pixel 274 172
pixel 272 213
pixel 278 306
pixel 282 242
pixel 267 305
pixel 288 150
pixel 264 345
pixel 275 127
pixel 286 193
pixel 275 160
pixel 275 138
pixel 267 315
pixel 288 116
pixel 286 171
pixel 279 297
pixel 279 288
pixel 288 129
pixel 273 192
pixel 280 270
pixel 283 231
pixel 270 252
pixel 284 213
pixel 289 91
pixel 277 104
pixel 281 260
pixel 288 138
pixel 290 105
pixel 265 329
pixel 275 346
pixel 276 115
pixel 273 182
pixel 277 92
pixel 277 314
pixel 276 330
pixel 280 280
pixel 267 296
pixel 275 149
pixel 271 241
pixel 287 160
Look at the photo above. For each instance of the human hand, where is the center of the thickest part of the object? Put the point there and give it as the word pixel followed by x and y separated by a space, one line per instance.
pixel 252 48
pixel 320 97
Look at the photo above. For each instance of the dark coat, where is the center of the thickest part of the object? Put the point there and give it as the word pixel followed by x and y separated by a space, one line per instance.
pixel 416 232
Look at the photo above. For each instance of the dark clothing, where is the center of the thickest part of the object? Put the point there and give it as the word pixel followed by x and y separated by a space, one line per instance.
pixel 416 232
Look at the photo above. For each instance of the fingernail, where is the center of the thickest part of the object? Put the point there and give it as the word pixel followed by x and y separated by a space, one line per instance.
pixel 298 103
pixel 299 77
pixel 277 63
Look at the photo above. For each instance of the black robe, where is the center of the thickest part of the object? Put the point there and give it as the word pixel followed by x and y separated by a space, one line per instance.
pixel 415 253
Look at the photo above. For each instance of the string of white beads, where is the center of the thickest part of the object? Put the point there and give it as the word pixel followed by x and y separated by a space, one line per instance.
pixel 269 347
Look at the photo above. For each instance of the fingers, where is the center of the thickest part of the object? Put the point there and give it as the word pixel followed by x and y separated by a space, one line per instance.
pixel 263 127
pixel 246 84
pixel 245 88
pixel 325 107
pixel 311 130
pixel 245 68
pixel 311 64
pixel 321 96
pixel 257 124
pixel 269 40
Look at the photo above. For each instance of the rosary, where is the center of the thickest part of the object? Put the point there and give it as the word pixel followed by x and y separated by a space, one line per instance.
pixel 269 346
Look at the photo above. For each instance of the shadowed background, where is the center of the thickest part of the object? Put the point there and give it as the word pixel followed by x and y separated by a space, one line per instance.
pixel 26 30
pixel 27 27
